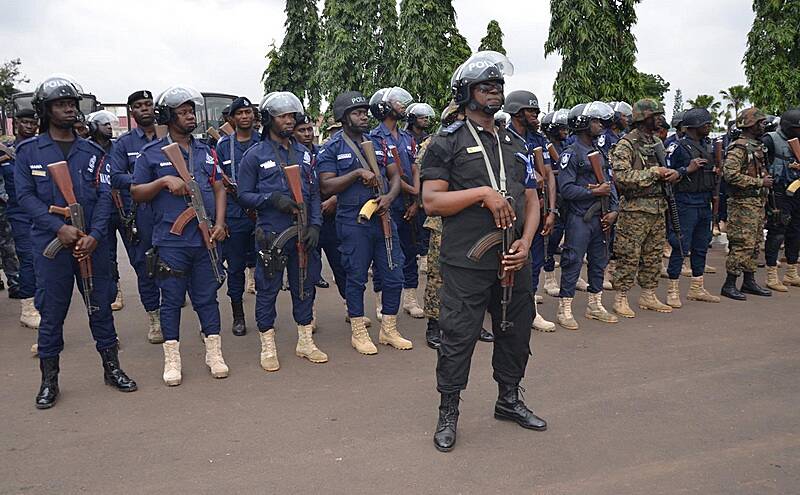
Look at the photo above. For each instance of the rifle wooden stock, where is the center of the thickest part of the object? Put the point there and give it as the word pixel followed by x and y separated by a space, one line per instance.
pixel 718 160
pixel 597 167
pixel 293 177
pixel 175 156
pixel 794 144
pixel 226 129
pixel 161 131
pixel 372 161
pixel 59 171
pixel 213 133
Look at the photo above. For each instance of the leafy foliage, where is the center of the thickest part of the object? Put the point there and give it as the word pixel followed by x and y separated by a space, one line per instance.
pixel 432 49
pixel 653 86
pixel 736 97
pixel 677 105
pixel 493 39
pixel 773 55
pixel 10 76
pixel 709 103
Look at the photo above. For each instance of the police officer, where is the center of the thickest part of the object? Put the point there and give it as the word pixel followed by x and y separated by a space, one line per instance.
pixel 614 127
pixel 470 170
pixel 25 124
pixel 523 107
pixel 264 187
pixel 749 184
pixel 783 226
pixel 641 228
pixel 672 141
pixel 418 120
pixel 692 156
pixel 238 250
pixel 178 261
pixel 101 128
pixel 344 172
pixel 388 106
pixel 137 227
pixel 586 223
pixel 56 100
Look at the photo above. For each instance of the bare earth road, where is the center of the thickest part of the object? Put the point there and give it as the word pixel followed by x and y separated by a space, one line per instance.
pixel 701 401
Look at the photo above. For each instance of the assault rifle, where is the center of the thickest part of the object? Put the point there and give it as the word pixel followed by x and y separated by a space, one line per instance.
pixel 597 167
pixel 408 199
pixel 195 209
pixel 292 173
pixel 794 145
pixel 8 153
pixel 504 237
pixel 372 205
pixel 128 221
pixel 538 161
pixel 669 193
pixel 554 158
pixel 718 164
pixel 73 212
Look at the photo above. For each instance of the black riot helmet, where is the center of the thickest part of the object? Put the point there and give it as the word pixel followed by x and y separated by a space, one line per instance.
pixel 693 118
pixel 678 119
pixel 55 87
pixel 347 102
pixel 790 121
pixel 519 100
pixel 582 114
pixel 547 121
pixel 381 105
pixel 772 123
pixel 483 66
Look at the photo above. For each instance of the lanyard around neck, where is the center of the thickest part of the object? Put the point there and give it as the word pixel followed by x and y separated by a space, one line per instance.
pixel 489 170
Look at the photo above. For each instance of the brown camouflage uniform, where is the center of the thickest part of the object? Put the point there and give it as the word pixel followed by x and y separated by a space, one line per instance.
pixel 641 229
pixel 744 170
pixel 434 276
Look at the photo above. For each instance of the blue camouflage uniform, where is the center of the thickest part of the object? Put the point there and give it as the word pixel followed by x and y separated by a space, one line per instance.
pixel 121 161
pixel 261 174
pixel 238 250
pixel 185 254
pixel 35 193
pixel 362 243
pixel 20 222
pixel 583 238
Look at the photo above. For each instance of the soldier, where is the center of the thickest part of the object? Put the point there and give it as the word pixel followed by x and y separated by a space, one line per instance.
pixel 10 263
pixel 470 170
pixel 523 106
pixel 641 230
pixel 56 101
pixel 784 225
pixel 748 185
pixel 238 250
pixel 388 106
pixel 183 260
pixel 344 172
pixel 692 156
pixel 25 126
pixel 586 223
pixel 263 186
pixel 137 227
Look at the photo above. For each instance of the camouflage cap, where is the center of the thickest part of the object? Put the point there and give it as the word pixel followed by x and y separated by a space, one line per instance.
pixel 749 117
pixel 646 107
pixel 449 113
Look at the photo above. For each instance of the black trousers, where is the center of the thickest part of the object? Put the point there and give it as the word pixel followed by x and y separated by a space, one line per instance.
pixel 466 295
pixel 783 228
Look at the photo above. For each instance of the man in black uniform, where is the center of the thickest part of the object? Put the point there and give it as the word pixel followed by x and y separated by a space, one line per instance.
pixel 475 178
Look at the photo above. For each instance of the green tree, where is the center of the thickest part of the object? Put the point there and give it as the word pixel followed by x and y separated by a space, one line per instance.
pixel 10 76
pixel 597 49
pixel 709 103
pixel 773 55
pixel 291 67
pixel 493 39
pixel 736 97
pixel 652 86
pixel 432 50
pixel 677 105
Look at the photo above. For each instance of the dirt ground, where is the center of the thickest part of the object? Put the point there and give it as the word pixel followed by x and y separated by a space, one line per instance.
pixel 704 400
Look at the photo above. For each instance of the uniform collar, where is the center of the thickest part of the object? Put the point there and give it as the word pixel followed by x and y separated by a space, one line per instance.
pixel 46 140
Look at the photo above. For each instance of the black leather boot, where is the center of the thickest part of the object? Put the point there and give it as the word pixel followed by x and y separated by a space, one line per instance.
pixel 729 288
pixel 239 327
pixel 13 286
pixel 445 437
pixel 511 408
pixel 486 336
pixel 48 391
pixel 322 283
pixel 749 286
pixel 432 334
pixel 113 374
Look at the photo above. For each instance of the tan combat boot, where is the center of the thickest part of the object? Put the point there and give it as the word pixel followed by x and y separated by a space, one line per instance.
pixel 28 315
pixel 773 282
pixel 697 292
pixel 664 273
pixel 686 270
pixel 367 321
pixel 674 293
pixel 154 335
pixel 360 339
pixel 410 304
pixel 709 269
pixel 621 306
pixel 313 319
pixel 250 280
pixel 269 353
pixel 539 323
pixel 596 311
pixel 423 264
pixel 172 363
pixel 608 275
pixel 791 277
pixel 306 347
pixel 391 336
pixel 119 302
pixel 378 306
pixel 214 357
pixel 564 315
pixel 582 285
pixel 551 284
pixel 649 300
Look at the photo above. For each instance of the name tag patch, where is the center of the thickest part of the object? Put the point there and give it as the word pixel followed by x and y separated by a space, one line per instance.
pixel 267 165
pixel 474 149
pixel 165 164
pixel 344 156
pixel 39 173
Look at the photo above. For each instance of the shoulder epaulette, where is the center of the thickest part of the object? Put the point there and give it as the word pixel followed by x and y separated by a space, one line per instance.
pixel 151 144
pixel 452 127
pixel 25 142
pixel 94 145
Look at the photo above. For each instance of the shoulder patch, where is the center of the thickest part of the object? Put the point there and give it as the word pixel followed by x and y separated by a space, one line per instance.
pixel 452 127
pixel 565 159
pixel 601 141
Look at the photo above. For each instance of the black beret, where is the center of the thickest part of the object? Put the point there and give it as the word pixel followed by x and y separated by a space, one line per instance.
pixel 25 112
pixel 142 94
pixel 238 103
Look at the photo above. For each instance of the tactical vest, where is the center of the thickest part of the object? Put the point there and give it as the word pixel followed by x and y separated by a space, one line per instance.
pixel 644 156
pixel 754 166
pixel 702 180
pixel 782 157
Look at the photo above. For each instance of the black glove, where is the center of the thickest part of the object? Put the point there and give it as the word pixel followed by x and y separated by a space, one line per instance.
pixel 283 203
pixel 312 237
